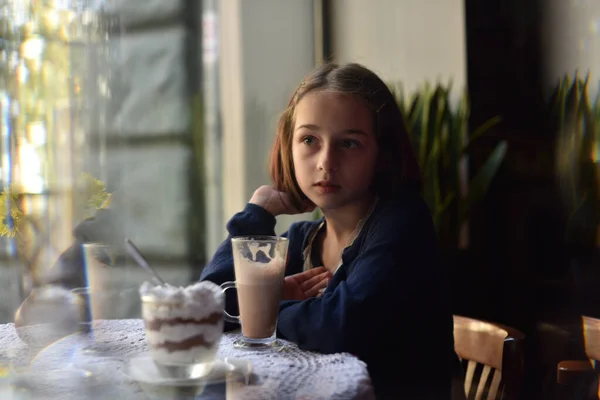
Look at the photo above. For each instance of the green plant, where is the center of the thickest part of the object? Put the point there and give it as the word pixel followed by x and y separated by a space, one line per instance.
pixel 441 140
pixel 577 122
pixel 18 222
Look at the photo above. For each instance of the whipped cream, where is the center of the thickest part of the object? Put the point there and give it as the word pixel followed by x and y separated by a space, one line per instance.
pixel 198 300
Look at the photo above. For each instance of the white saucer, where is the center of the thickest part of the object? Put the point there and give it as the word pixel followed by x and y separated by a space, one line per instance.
pixel 158 385
pixel 144 370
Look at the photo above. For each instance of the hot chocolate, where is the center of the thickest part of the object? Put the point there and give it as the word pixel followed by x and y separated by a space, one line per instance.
pixel 259 287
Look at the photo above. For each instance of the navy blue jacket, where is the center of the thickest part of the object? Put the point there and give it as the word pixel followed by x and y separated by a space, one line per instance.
pixel 387 303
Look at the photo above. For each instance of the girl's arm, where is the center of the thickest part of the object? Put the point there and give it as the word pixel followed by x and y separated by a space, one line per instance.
pixel 257 218
pixel 253 220
pixel 395 278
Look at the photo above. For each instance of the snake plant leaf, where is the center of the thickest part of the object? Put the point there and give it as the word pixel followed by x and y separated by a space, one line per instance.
pixel 483 128
pixel 558 100
pixel 458 136
pixel 447 201
pixel 424 125
pixel 415 113
pixel 479 185
pixel 435 120
pixel 446 134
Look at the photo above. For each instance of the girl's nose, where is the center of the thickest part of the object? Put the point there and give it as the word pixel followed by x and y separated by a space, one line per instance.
pixel 328 160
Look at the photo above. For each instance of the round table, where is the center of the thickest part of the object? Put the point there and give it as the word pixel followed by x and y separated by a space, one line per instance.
pixel 56 370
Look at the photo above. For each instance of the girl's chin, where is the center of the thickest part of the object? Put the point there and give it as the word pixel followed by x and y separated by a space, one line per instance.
pixel 325 206
pixel 333 203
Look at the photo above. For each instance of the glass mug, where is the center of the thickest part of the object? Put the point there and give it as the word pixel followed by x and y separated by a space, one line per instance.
pixel 259 264
pixel 108 294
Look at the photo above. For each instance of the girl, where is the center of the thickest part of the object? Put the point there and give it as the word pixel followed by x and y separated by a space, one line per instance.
pixel 341 145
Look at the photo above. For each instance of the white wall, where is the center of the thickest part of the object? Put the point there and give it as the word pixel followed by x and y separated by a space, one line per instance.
pixel 406 41
pixel 267 48
pixel 571 40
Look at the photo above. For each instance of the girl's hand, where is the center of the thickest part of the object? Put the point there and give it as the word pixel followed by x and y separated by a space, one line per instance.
pixel 305 284
pixel 276 202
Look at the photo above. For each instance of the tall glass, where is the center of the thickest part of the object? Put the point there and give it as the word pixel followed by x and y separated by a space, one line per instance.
pixel 105 295
pixel 259 264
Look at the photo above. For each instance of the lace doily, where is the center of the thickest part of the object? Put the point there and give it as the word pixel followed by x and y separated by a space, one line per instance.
pixel 66 370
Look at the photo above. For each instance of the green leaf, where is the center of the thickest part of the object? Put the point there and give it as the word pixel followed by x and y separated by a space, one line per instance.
pixel 447 201
pixel 483 128
pixel 480 184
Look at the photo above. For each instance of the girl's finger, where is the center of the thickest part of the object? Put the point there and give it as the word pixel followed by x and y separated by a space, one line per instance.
pixel 314 291
pixel 316 280
pixel 302 277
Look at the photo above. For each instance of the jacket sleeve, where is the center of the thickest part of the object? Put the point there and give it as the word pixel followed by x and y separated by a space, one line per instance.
pixel 396 260
pixel 253 220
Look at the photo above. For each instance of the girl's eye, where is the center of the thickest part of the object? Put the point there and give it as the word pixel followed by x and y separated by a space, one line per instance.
pixel 309 140
pixel 350 144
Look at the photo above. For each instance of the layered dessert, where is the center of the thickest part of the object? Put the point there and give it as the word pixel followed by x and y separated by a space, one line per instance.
pixel 183 325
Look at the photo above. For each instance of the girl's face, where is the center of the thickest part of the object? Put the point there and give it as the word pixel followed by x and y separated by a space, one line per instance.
pixel 334 149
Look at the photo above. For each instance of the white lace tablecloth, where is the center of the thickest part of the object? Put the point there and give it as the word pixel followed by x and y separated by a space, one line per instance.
pixel 55 372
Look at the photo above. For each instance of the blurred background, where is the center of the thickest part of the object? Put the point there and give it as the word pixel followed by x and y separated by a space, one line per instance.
pixel 163 112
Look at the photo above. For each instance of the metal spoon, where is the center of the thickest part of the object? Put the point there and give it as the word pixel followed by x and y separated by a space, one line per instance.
pixel 141 260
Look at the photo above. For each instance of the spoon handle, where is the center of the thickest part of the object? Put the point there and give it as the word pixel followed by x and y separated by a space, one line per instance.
pixel 141 260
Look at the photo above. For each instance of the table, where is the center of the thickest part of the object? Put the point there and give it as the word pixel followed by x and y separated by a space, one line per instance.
pixel 289 374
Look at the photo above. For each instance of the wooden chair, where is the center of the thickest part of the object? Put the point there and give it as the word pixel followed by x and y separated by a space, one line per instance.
pixel 493 355
pixel 583 372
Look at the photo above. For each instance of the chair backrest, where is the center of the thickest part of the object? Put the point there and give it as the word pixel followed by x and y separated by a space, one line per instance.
pixel 493 355
pixel 591 337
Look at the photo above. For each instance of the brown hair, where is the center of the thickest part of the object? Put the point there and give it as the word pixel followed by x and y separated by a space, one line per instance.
pixel 400 168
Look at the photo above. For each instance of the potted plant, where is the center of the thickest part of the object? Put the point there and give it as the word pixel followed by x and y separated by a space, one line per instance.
pixel 577 121
pixel 442 142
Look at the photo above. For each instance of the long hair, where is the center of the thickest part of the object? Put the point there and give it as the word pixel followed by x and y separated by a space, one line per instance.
pixel 400 169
